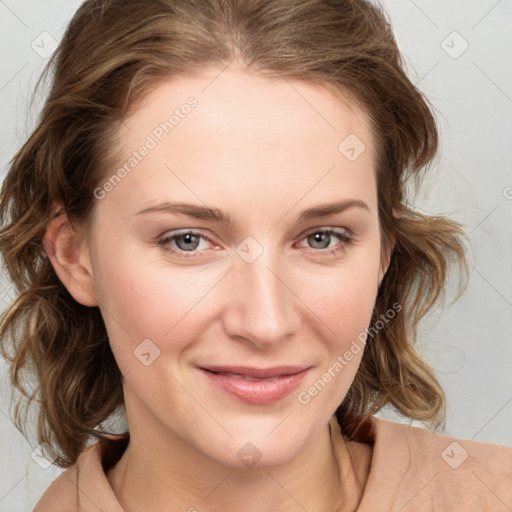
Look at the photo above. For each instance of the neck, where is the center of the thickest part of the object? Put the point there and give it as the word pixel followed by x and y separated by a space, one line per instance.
pixel 327 474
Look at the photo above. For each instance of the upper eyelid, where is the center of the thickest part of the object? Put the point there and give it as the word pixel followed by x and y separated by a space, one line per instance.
pixel 337 230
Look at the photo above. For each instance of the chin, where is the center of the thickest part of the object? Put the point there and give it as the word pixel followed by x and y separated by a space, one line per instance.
pixel 258 451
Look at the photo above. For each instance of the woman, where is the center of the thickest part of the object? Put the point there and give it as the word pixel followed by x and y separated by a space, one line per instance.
pixel 209 227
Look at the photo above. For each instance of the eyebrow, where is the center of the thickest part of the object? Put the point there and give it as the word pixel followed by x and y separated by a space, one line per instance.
pixel 217 215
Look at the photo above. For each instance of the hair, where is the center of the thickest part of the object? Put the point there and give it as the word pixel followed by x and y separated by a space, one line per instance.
pixel 112 54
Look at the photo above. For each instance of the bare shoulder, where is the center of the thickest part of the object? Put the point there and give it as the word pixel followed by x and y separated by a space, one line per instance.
pixel 61 495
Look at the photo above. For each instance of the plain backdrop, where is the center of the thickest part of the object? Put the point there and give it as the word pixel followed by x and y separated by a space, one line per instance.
pixel 459 53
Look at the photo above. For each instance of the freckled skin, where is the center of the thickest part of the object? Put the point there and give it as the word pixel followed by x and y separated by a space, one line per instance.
pixel 258 150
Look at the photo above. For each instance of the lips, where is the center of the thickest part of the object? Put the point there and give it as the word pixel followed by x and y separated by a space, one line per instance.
pixel 256 386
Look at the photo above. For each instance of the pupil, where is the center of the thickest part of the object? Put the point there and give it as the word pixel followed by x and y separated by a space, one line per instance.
pixel 188 238
pixel 318 236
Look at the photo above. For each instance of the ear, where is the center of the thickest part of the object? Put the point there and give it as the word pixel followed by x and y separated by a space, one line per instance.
pixel 68 251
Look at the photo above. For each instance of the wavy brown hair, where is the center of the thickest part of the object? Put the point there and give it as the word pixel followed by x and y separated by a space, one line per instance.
pixel 113 52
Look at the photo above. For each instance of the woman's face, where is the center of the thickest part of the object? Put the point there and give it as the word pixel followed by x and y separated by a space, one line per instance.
pixel 273 288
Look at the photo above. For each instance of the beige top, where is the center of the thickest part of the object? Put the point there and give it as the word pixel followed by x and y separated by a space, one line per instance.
pixel 412 470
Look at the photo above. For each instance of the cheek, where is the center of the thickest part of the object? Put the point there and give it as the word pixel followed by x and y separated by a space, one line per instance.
pixel 344 299
pixel 345 310
pixel 143 298
pixel 135 302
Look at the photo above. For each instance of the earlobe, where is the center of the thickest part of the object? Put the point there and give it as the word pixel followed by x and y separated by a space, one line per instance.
pixel 69 254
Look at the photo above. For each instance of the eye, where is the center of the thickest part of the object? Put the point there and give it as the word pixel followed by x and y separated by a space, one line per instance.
pixel 185 241
pixel 321 238
pixel 189 241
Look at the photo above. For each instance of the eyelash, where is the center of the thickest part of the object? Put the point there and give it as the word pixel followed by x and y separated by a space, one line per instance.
pixel 345 236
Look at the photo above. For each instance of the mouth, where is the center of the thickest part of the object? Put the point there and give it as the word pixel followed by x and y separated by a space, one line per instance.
pixel 253 374
pixel 257 386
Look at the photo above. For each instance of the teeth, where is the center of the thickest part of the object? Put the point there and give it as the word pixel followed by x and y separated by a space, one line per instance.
pixel 248 377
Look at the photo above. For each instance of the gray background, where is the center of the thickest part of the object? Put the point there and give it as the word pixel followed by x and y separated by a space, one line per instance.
pixel 470 343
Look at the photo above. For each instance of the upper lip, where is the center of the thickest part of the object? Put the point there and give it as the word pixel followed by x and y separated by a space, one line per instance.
pixel 275 371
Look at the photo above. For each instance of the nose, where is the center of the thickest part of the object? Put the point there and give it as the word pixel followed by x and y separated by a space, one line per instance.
pixel 262 303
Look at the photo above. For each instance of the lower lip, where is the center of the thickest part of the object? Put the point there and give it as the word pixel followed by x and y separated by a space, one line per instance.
pixel 260 392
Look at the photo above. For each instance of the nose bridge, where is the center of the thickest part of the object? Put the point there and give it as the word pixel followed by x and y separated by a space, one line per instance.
pixel 264 312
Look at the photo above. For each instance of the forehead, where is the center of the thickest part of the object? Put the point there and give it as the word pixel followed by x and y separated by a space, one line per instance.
pixel 237 98
pixel 245 136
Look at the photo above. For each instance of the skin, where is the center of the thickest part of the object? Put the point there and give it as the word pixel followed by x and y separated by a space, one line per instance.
pixel 263 150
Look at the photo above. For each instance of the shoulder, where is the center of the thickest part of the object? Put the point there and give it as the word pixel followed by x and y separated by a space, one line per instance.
pixel 61 494
pixel 425 470
pixel 438 448
pixel 84 486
